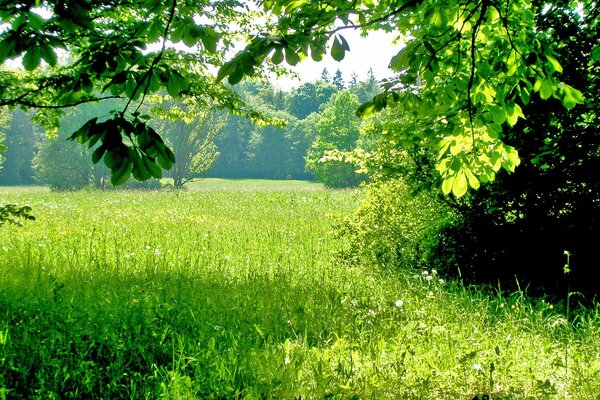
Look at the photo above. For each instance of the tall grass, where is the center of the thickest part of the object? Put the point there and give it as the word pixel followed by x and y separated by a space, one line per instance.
pixel 235 292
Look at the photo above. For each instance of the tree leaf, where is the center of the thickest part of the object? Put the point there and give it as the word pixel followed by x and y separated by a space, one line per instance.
pixel 338 50
pixel 547 89
pixel 554 64
pixel 447 184
pixel 32 59
pixel 48 54
pixel 291 57
pixel 459 187
pixel 120 175
pixel 277 57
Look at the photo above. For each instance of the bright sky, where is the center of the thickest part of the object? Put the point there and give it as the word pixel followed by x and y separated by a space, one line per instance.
pixel 374 51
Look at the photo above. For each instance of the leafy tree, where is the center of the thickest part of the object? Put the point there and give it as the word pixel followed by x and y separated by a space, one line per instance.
pixel 338 80
pixel 270 150
pixel 4 120
pixel 337 129
pixel 522 223
pixel 325 75
pixel 61 165
pixel 308 97
pixel 190 131
pixel 22 138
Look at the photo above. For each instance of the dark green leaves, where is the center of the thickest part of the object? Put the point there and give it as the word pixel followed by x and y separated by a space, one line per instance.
pixel 127 147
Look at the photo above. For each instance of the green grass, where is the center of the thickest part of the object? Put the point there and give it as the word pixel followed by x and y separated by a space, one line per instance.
pixel 232 290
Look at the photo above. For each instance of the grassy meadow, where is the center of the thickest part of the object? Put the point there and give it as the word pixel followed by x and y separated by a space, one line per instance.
pixel 233 289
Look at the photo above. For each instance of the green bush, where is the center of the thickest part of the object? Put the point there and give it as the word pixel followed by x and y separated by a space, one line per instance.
pixel 391 225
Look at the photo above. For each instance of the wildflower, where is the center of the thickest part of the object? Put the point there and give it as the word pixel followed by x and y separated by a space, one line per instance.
pixel 399 303
pixel 478 367
pixel 428 278
pixel 371 313
pixel 226 258
pixel 433 272
pixel 287 361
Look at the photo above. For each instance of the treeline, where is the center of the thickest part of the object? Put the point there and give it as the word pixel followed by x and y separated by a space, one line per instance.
pixel 307 121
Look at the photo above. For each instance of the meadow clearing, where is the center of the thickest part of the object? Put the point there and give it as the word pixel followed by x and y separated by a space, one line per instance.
pixel 235 289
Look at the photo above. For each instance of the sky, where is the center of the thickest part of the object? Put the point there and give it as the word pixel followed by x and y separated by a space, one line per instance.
pixel 374 51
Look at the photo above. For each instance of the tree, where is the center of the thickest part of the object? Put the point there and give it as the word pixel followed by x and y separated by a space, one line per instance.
pixel 61 165
pixel 5 117
pixel 325 75
pixel 338 80
pixel 522 223
pixel 337 129
pixel 308 97
pixel 190 131
pixel 467 70
pixel 22 141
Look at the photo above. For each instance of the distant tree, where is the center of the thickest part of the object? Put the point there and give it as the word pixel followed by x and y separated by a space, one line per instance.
pixel 325 75
pixel 337 129
pixel 22 140
pixel 269 151
pixel 308 97
pixel 232 145
pixel 190 130
pixel 367 89
pixel 51 159
pixel 338 80
pixel 353 79
pixel 4 119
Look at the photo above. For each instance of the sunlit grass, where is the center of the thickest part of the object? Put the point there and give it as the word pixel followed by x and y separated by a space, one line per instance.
pixel 235 292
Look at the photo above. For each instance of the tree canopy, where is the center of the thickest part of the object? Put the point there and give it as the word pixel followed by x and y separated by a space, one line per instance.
pixel 466 73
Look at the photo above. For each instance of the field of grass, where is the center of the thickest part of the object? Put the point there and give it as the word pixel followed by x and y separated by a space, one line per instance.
pixel 233 290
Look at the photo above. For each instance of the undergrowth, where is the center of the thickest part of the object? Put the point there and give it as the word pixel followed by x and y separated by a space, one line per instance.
pixel 228 294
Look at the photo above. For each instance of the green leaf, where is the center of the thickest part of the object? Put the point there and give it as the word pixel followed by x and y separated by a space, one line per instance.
pixel 209 39
pixel 554 64
pixel 48 55
pixel 459 187
pixel 152 168
pixel 97 154
pixel 571 97
pixel 277 57
pixel 120 175
pixel 291 57
pixel 596 53
pixel 32 59
pixel 473 181
pixel 498 114
pixel 236 75
pixel 338 50
pixel 447 184
pixel 547 89
pixel 513 113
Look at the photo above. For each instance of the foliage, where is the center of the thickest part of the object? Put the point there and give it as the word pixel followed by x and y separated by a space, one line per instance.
pixel 12 214
pixel 116 50
pixel 522 224
pixel 337 129
pixel 467 69
pixel 390 226
pixel 5 118
pixel 173 295
pixel 190 131
pixel 51 161
pixel 22 139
